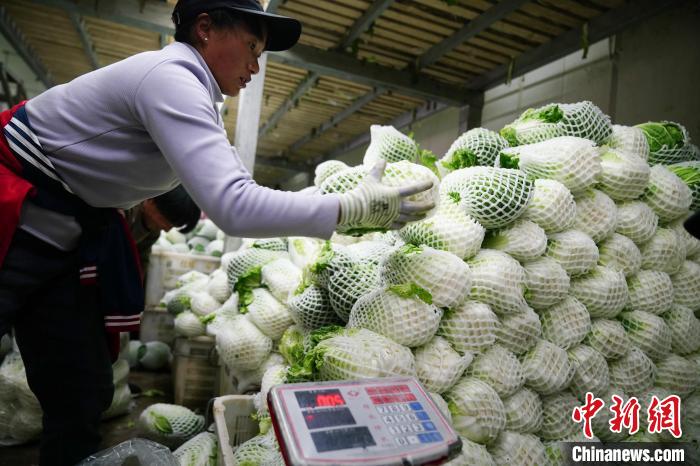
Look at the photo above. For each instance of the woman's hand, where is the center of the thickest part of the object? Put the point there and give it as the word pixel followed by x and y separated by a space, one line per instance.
pixel 373 206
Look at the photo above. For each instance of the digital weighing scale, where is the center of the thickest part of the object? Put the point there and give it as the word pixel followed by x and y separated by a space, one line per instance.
pixel 388 421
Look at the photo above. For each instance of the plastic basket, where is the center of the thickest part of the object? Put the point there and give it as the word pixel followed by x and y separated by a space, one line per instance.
pixel 165 267
pixel 233 424
pixel 157 325
pixel 195 371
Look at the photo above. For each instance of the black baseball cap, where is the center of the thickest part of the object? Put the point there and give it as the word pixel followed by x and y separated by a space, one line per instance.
pixel 283 32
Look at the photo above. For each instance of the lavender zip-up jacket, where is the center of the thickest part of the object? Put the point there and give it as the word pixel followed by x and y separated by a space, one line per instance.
pixel 135 129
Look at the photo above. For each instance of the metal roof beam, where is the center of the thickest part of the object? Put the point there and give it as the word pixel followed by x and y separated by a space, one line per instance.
pixel 337 119
pixel 303 87
pixel 405 119
pixel 282 163
pixel 85 39
pixel 144 14
pixel 15 37
pixel 344 66
pixel 362 23
pixel 374 11
pixel 599 28
pixel 485 20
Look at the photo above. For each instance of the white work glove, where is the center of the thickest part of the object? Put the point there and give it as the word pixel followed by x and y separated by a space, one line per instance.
pixel 373 206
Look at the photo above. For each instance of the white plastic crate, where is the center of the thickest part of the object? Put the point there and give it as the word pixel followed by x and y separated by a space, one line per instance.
pixel 157 324
pixel 233 423
pixel 164 267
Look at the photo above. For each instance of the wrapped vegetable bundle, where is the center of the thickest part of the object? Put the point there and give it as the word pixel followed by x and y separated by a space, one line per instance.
pixel 438 366
pixel 552 206
pixel 667 195
pixel 477 411
pixel 387 143
pixel 572 161
pixel 326 169
pixel 668 142
pixel 169 424
pixel 470 327
pixel 498 280
pixel 689 173
pixel 477 146
pixel 523 411
pixel 445 276
pixel 630 140
pixel 565 324
pixel 493 196
pixel 534 125
pixel 624 176
pixel 596 215
pixel 404 313
pixel 523 240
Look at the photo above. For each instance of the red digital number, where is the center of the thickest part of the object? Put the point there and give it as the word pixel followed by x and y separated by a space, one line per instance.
pixel 329 400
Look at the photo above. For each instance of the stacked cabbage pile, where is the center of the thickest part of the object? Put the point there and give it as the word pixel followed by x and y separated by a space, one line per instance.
pixel 554 264
pixel 206 239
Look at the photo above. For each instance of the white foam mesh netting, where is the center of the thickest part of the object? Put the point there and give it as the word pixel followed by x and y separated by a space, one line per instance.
pixel 677 374
pixel 523 411
pixel 585 120
pixel 498 280
pixel 608 337
pixel 281 277
pixel 636 221
pixel 478 412
pixel 348 285
pixel 524 240
pixel 686 285
pixel 650 291
pixel 556 416
pixel 573 161
pixel 312 308
pixel 499 368
pixel 483 143
pixel 603 292
pixel 493 196
pixel 388 143
pixel 591 372
pixel 666 155
pixel 241 346
pixel 546 368
pixel 596 214
pixel 664 252
pixel 439 366
pixel 520 331
pixel 404 173
pixel 667 195
pixel 243 261
pixel 343 180
pixel 565 324
pixel 363 354
pixel 446 276
pixel 574 250
pixel 546 282
pixel 270 316
pixel 326 169
pixel 408 321
pixel 634 372
pixel 619 253
pixel 623 176
pixel 454 232
pixel 470 327
pixel 648 332
pixel 629 139
pixel 685 329
pixel 552 206
pixel 516 448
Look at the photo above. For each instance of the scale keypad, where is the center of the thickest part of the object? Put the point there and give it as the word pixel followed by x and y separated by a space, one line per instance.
pixel 404 416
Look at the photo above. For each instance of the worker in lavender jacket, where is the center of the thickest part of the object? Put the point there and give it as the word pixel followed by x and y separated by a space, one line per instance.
pixel 110 139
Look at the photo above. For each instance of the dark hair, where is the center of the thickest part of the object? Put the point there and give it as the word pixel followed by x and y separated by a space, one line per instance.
pixel 179 209
pixel 221 18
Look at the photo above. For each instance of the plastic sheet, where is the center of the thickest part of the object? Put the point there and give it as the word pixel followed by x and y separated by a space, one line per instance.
pixel 135 452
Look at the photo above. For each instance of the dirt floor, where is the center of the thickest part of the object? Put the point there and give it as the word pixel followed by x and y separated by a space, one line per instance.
pixel 114 431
